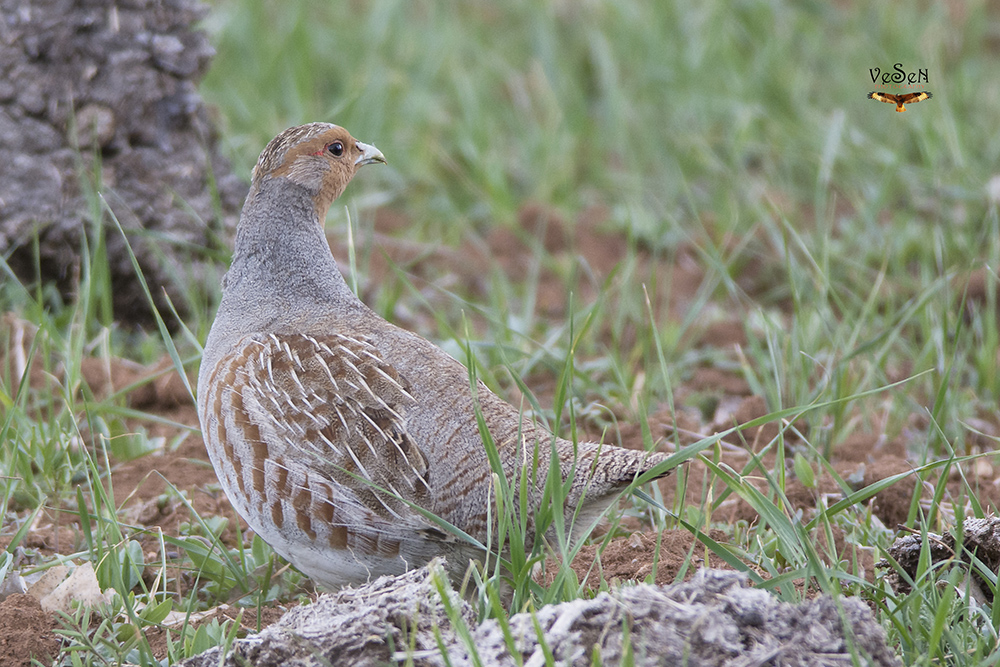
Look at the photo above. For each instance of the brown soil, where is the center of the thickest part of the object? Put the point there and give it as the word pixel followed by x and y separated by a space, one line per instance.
pixel 149 488
pixel 26 632
pixel 646 555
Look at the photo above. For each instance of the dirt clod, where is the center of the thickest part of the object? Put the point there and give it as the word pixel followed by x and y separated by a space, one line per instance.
pixel 714 619
pixel 980 538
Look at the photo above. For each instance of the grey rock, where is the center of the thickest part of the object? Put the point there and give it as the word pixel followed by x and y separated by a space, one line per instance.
pixel 91 87
pixel 714 619
pixel 979 537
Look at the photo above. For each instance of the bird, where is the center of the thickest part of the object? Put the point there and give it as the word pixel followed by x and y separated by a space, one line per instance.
pixel 350 445
pixel 900 100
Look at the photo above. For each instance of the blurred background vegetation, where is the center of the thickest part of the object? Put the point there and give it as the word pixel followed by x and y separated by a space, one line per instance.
pixel 670 113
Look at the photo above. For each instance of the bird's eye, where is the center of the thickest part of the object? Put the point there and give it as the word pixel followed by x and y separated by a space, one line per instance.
pixel 336 148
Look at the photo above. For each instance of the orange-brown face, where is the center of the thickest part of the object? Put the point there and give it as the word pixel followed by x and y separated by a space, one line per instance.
pixel 321 157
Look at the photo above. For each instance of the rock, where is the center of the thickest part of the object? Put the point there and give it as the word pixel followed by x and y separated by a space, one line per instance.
pixel 980 538
pixel 91 87
pixel 80 588
pixel 714 619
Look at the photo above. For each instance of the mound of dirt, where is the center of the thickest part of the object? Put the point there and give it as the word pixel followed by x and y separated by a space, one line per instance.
pixel 97 91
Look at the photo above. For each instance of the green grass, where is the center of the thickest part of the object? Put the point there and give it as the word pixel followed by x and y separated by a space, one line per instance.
pixel 736 134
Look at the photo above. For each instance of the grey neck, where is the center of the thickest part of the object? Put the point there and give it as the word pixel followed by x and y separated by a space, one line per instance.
pixel 282 265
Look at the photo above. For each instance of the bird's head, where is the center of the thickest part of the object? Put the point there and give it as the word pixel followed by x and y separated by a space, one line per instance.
pixel 320 157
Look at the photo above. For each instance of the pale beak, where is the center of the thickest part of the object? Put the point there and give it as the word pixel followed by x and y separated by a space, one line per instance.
pixel 368 155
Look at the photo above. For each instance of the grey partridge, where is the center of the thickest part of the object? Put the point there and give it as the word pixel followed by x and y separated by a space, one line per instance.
pixel 328 426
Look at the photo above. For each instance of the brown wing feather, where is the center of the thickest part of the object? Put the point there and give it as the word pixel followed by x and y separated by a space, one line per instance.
pixel 888 98
pixel 913 98
pixel 334 407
